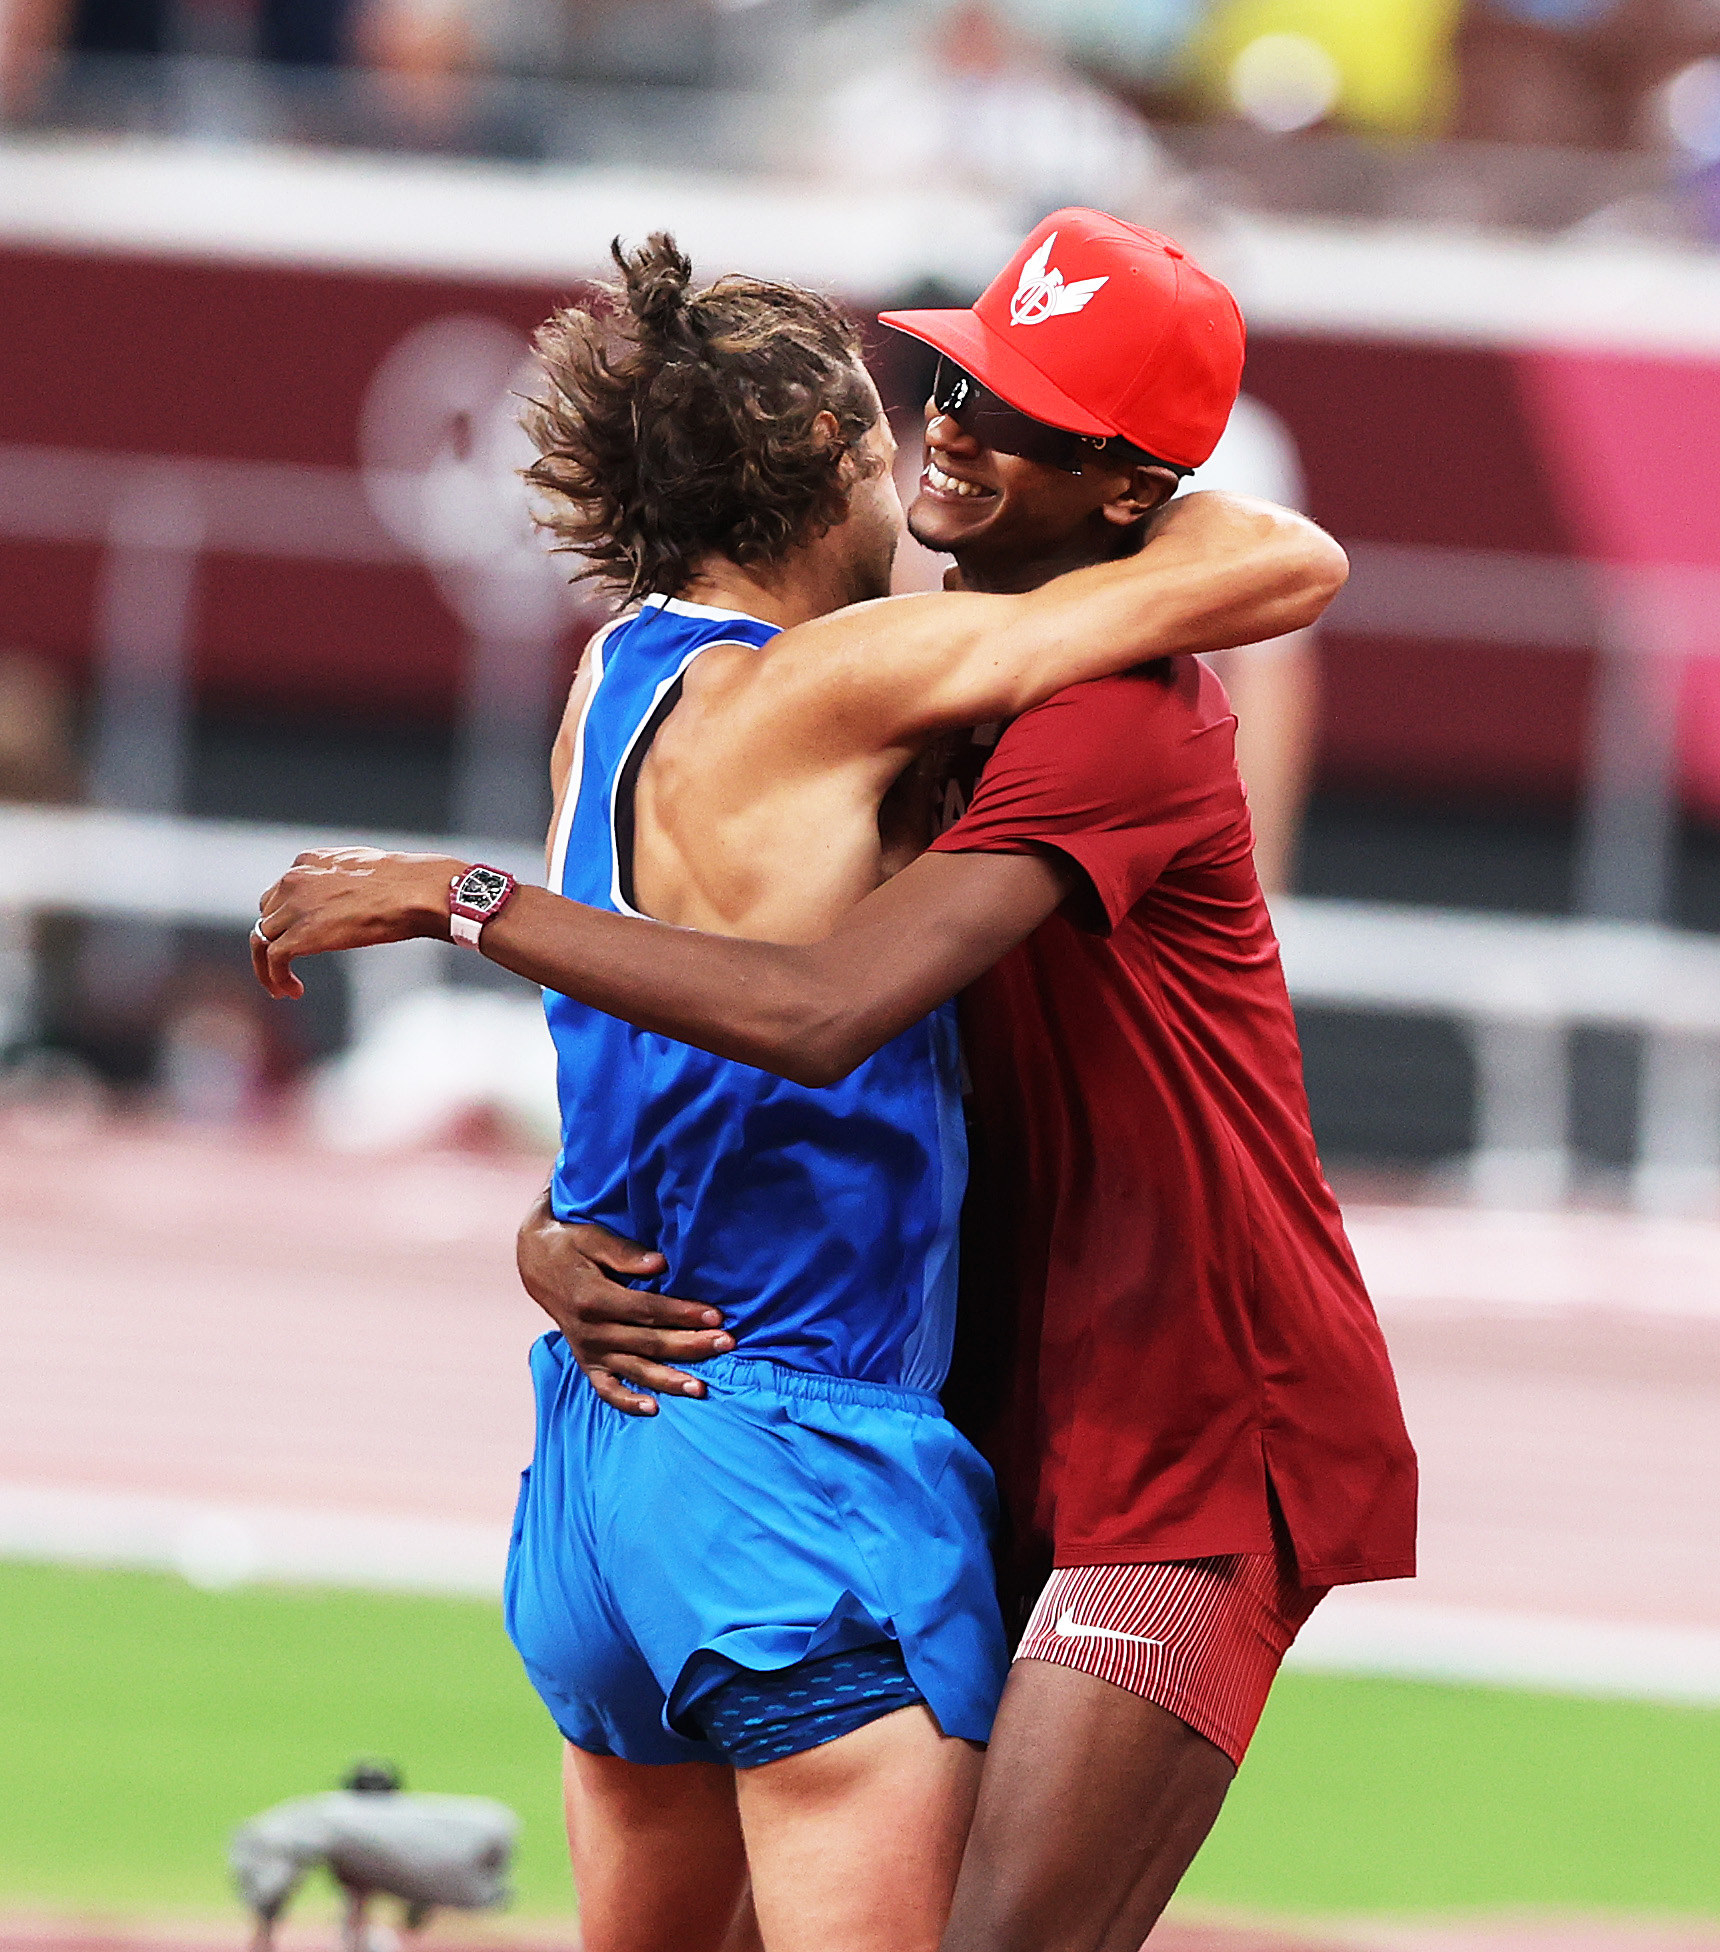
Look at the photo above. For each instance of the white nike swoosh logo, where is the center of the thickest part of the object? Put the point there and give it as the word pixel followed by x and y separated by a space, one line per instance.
pixel 1066 1629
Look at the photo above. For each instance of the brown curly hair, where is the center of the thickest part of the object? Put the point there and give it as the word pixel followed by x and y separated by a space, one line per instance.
pixel 679 423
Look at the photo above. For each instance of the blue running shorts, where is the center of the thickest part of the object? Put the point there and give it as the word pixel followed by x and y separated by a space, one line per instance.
pixel 785 1516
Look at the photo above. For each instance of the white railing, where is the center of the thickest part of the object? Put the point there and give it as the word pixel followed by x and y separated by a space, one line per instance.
pixel 164 868
pixel 1517 985
pixel 156 517
pixel 171 869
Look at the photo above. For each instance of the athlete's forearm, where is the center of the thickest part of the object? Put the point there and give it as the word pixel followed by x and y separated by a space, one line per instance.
pixel 809 1012
pixel 761 1003
pixel 1218 570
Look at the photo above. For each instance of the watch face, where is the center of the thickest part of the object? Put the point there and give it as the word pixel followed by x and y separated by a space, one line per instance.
pixel 483 889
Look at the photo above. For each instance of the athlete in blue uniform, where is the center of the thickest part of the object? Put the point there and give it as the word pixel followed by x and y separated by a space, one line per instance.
pixel 654 1567
pixel 763 1616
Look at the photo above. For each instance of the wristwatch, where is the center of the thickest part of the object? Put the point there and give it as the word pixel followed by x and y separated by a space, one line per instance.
pixel 474 898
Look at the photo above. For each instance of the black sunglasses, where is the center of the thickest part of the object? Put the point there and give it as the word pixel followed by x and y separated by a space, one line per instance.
pixel 994 423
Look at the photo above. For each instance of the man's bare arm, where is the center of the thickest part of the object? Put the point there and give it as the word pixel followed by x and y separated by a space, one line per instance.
pixel 828 1014
pixel 809 1012
pixel 1217 570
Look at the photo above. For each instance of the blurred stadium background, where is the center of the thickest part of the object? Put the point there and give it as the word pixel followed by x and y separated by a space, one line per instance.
pixel 267 271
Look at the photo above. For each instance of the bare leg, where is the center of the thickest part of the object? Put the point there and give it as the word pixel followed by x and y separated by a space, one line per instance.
pixel 855 1845
pixel 744 1933
pixel 1092 1806
pixel 657 1856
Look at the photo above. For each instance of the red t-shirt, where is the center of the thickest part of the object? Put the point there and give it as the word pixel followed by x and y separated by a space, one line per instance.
pixel 1164 1325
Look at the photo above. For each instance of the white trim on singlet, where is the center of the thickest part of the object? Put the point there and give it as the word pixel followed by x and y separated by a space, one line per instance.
pixel 622 904
pixel 576 765
pixel 674 603
pixel 682 609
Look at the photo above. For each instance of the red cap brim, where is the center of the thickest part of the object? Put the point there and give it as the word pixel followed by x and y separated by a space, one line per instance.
pixel 994 362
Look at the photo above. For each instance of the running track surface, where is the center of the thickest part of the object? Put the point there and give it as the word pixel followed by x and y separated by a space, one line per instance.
pixel 263 1357
pixel 224 1344
pixel 1173 1935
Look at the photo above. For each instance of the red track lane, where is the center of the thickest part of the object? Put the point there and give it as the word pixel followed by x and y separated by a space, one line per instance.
pixel 232 1317
pixel 450 1933
pixel 239 1318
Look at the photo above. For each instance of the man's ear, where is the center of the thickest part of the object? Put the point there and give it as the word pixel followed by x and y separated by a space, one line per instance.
pixel 827 433
pixel 1147 489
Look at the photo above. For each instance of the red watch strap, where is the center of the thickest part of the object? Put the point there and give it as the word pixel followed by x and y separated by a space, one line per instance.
pixel 466 919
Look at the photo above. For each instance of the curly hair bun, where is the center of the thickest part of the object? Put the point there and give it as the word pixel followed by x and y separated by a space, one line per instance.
pixel 679 424
pixel 654 279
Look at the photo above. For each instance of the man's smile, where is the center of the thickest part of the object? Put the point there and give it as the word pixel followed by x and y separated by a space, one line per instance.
pixel 943 486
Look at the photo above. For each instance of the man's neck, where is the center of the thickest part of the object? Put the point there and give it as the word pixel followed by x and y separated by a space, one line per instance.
pixel 1010 575
pixel 792 591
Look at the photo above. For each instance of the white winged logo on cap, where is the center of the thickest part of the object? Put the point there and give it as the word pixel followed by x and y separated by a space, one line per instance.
pixel 1041 293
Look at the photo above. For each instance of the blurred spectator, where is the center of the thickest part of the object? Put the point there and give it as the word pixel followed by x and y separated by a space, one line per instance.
pixel 424 53
pixel 427 51
pixel 37 760
pixel 1379 65
pixel 37 763
pixel 1581 73
pixel 428 56
pixel 31 33
pixel 959 95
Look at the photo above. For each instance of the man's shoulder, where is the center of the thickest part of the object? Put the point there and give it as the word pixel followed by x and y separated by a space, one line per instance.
pixel 1150 745
pixel 1135 719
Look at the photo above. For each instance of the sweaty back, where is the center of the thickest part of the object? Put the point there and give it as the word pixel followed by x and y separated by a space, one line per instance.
pixel 823 1222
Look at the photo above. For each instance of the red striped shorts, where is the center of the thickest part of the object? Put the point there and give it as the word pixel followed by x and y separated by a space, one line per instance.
pixel 1200 1637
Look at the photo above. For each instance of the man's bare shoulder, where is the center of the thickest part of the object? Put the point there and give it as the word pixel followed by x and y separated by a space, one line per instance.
pixel 760 713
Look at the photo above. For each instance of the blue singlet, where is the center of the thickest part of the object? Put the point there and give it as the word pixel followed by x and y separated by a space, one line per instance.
pixel 822 1222
pixel 816 1501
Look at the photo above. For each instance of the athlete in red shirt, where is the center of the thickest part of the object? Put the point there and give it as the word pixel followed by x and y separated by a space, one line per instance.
pixel 1193 1340
pixel 1168 1350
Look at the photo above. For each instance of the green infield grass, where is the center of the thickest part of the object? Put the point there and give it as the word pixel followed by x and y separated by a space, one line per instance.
pixel 141 1719
pixel 1367 1796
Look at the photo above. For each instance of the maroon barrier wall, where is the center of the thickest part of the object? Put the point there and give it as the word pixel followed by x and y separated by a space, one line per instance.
pixel 1431 446
pixel 136 357
pixel 1418 446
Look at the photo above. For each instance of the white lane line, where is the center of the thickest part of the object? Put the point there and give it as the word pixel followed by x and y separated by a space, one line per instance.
pixel 217 1545
pixel 1356 1632
pixel 1352 1632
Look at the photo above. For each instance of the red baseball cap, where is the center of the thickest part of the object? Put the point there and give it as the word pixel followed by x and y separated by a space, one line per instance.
pixel 1105 329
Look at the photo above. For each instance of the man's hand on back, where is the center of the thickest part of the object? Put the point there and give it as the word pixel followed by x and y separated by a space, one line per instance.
pixel 618 1335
